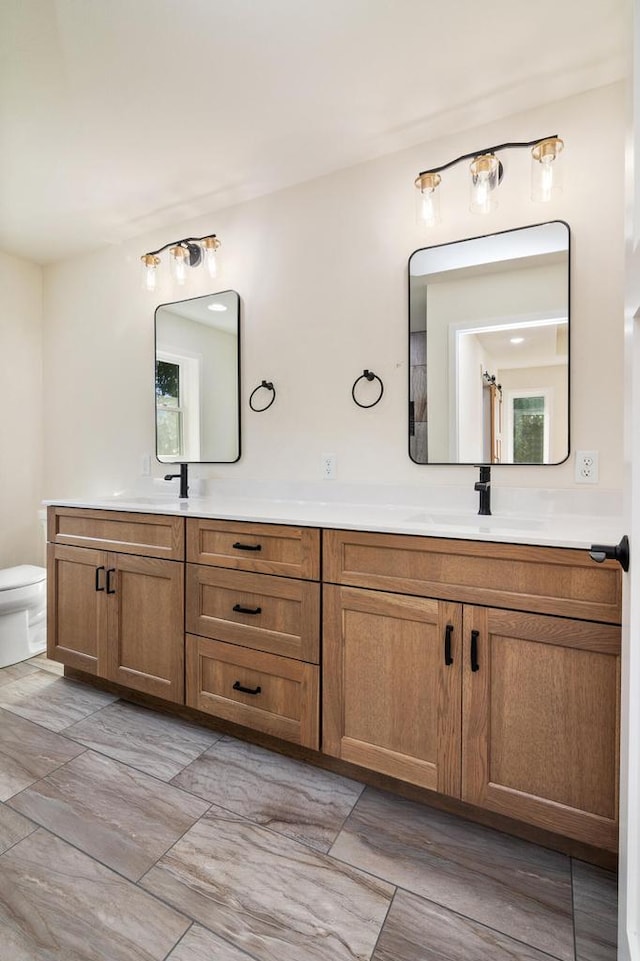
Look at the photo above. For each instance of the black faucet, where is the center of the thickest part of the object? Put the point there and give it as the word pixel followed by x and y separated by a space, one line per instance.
pixel 184 485
pixel 484 487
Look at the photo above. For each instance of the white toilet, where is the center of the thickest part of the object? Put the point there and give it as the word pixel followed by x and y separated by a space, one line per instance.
pixel 23 613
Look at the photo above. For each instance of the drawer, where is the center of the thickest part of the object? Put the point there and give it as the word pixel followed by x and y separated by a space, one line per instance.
pixel 280 695
pixel 150 535
pixel 264 548
pixel 543 580
pixel 275 614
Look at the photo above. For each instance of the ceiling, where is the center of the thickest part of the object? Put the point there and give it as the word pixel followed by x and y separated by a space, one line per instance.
pixel 122 116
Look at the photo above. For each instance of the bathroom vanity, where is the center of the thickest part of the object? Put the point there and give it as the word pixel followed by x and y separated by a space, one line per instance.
pixel 473 666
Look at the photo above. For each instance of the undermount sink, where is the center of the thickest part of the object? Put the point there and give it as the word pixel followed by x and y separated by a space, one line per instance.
pixel 482 521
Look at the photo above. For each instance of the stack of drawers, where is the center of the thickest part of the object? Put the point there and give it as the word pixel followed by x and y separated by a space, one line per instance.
pixel 253 626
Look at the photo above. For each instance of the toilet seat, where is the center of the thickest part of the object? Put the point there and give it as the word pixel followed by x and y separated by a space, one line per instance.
pixel 22 576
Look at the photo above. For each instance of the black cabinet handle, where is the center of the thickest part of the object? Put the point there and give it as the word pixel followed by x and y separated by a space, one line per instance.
pixel 448 631
pixel 246 690
pixel 98 569
pixel 474 650
pixel 247 610
pixel 247 547
pixel 110 590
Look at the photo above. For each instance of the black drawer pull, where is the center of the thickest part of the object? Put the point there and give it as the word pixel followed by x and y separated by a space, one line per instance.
pixel 474 650
pixel 247 610
pixel 247 547
pixel 98 569
pixel 110 590
pixel 246 690
pixel 448 631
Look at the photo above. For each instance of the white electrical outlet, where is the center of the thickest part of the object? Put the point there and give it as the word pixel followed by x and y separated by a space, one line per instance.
pixel 328 466
pixel 145 465
pixel 586 466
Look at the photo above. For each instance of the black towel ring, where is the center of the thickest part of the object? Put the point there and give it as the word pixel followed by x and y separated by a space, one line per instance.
pixel 267 384
pixel 367 375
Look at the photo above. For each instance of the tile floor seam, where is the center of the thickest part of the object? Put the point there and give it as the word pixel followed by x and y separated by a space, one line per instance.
pixel 267 827
pixel 263 827
pixel 386 918
pixel 378 877
pixel 107 867
pixel 573 910
pixel 97 750
pixel 348 815
pixel 86 716
pixel 37 780
pixel 62 838
pixel 481 924
pixel 244 951
pixel 10 708
pixel 178 942
pixel 35 828
pixel 117 760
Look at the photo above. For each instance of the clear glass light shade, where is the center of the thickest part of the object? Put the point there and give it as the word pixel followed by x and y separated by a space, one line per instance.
pixel 485 177
pixel 149 271
pixel 546 170
pixel 210 246
pixel 428 200
pixel 179 261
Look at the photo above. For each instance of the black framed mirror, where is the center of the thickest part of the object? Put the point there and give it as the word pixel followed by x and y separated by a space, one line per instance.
pixel 489 321
pixel 197 380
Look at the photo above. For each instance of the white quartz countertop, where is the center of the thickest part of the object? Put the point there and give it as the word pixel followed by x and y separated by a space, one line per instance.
pixel 543 524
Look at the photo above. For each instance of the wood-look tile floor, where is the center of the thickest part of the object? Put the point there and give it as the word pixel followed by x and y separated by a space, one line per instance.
pixel 128 835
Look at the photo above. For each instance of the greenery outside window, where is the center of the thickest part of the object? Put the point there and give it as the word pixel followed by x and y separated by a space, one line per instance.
pixel 528 428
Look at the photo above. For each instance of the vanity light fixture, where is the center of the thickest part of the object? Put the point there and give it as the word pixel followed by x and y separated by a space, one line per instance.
pixel 486 172
pixel 183 254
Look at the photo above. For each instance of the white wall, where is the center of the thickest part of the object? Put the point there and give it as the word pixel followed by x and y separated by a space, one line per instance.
pixel 21 538
pixel 470 407
pixel 322 272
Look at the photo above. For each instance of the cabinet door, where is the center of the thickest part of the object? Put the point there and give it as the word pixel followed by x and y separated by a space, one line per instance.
pixel 144 648
pixel 540 721
pixel 391 700
pixel 76 617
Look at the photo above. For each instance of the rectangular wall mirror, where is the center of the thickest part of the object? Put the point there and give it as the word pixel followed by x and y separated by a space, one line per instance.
pixel 197 380
pixel 489 349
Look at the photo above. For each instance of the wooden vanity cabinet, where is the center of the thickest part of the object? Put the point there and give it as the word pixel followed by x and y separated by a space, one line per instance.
pixel 253 626
pixel 115 614
pixel 512 709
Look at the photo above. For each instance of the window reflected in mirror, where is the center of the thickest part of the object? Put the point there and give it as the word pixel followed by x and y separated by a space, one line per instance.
pixel 489 349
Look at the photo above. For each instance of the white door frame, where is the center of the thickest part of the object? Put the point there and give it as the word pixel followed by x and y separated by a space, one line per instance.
pixel 629 864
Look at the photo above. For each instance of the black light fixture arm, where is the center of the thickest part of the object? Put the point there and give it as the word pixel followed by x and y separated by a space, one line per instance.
pixel 185 242
pixel 486 150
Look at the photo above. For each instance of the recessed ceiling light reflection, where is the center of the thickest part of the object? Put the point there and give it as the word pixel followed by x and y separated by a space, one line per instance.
pixel 216 307
pixel 516 340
